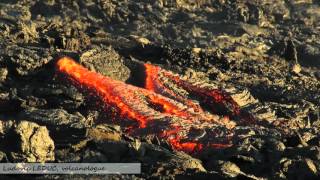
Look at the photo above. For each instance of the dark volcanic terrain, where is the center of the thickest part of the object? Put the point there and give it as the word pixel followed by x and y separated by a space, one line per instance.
pixel 264 53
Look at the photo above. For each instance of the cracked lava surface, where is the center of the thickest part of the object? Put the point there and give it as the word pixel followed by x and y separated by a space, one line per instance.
pixel 156 109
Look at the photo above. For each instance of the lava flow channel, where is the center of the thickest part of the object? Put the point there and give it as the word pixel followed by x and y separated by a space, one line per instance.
pixel 180 121
pixel 217 100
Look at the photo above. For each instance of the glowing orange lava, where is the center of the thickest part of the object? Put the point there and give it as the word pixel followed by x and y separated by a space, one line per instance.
pixel 157 109
pixel 104 86
pixel 153 83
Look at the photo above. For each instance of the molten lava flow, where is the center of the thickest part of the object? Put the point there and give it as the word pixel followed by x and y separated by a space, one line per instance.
pixel 106 87
pixel 214 98
pixel 153 83
pixel 157 109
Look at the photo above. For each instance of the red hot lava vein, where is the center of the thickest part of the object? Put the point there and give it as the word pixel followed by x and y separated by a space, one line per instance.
pixel 178 119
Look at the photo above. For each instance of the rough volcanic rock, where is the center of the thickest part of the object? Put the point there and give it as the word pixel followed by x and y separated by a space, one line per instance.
pixel 264 53
pixel 55 117
pixel 107 62
pixel 104 132
pixel 27 60
pixel 33 143
pixel 3 74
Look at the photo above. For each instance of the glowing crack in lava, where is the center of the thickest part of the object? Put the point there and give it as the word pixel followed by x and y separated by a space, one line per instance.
pixel 157 110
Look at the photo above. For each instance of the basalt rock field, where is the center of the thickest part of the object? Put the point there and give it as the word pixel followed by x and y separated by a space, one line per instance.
pixel 191 89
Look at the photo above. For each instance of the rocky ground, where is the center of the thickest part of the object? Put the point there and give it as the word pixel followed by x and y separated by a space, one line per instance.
pixel 265 53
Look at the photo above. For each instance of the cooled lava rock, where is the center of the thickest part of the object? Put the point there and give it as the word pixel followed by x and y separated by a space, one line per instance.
pixel 264 54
